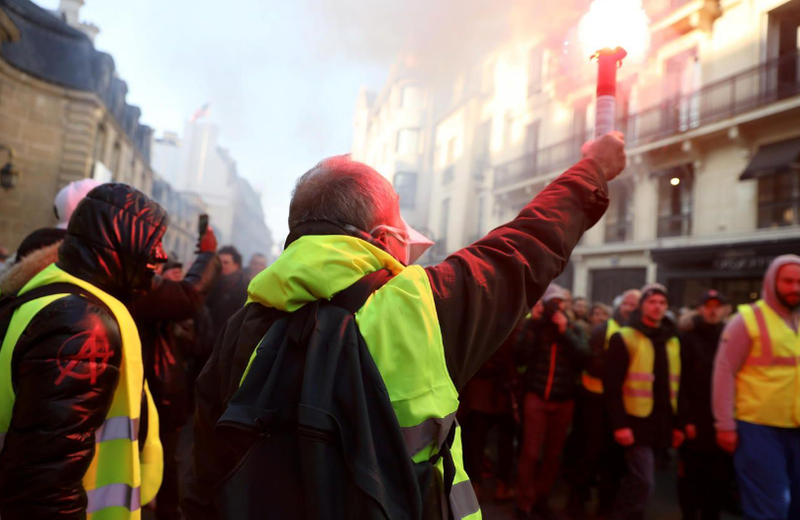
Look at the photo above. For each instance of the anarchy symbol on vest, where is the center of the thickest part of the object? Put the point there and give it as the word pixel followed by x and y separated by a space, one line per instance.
pixel 89 363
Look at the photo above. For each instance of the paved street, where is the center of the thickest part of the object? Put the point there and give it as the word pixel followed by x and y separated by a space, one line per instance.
pixel 664 507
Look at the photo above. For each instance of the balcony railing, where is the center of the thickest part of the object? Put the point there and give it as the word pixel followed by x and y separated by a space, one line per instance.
pixel 750 89
pixel 753 88
pixel 675 226
pixel 540 162
pixel 619 231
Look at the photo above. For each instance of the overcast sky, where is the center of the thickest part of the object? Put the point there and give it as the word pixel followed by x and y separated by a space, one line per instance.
pixel 282 76
pixel 281 98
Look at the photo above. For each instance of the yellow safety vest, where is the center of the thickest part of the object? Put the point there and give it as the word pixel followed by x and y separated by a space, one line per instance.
pixel 595 384
pixel 120 478
pixel 637 390
pixel 768 386
pixel 401 328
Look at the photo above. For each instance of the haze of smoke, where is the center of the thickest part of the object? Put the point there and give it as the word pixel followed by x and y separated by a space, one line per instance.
pixel 440 34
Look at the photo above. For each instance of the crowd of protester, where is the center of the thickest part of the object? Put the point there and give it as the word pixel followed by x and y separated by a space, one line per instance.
pixel 574 380
pixel 110 341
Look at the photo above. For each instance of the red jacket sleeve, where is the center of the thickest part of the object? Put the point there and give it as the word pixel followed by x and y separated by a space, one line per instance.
pixel 483 290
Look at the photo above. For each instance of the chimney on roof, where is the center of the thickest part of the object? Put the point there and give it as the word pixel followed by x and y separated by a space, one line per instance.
pixel 71 9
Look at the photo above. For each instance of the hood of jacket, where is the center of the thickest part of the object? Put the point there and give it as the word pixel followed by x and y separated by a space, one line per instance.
pixel 768 291
pixel 15 278
pixel 316 267
pixel 112 237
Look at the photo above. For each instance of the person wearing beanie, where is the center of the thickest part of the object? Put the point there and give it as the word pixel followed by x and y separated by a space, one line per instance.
pixel 641 382
pixel 553 352
pixel 755 395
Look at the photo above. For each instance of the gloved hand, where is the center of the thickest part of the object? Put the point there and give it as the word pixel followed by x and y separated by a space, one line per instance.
pixel 677 438
pixel 728 440
pixel 624 437
pixel 208 244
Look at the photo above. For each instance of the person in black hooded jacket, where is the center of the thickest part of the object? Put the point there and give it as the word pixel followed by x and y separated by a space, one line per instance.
pixel 114 243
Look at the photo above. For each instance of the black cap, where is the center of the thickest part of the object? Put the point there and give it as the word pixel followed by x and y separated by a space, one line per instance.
pixel 713 295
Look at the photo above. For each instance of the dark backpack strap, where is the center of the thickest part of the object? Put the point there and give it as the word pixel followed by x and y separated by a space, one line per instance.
pixel 355 296
pixel 448 466
pixel 10 303
pixel 303 321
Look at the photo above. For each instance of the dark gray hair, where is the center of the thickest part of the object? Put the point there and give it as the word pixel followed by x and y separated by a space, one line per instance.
pixel 344 191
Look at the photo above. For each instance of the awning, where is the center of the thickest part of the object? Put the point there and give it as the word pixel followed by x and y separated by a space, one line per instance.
pixel 772 158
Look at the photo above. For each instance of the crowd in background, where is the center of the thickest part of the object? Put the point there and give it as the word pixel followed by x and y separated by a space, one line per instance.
pixel 543 393
pixel 599 396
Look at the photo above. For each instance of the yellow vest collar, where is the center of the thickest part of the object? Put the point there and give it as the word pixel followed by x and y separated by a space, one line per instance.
pixel 316 267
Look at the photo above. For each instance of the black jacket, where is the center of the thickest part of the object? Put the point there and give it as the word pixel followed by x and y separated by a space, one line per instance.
pixel 655 430
pixel 227 297
pixel 698 350
pixel 65 366
pixel 480 294
pixel 163 355
pixel 552 361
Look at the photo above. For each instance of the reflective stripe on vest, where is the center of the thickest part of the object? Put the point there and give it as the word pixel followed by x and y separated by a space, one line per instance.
pixel 113 495
pixel 422 394
pixel 118 428
pixel 463 501
pixel 637 390
pixel 117 479
pixel 768 385
pixel 595 384
pixel 433 430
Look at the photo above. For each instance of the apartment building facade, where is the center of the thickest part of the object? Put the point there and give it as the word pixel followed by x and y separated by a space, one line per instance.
pixel 712 190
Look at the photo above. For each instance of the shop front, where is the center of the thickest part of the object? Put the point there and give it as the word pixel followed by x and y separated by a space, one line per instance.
pixel 735 270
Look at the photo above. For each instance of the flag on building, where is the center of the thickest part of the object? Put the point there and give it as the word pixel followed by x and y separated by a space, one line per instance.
pixel 201 113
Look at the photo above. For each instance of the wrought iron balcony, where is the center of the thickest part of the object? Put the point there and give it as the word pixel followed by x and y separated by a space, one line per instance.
pixel 619 231
pixel 769 82
pixel 540 162
pixel 766 83
pixel 675 226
